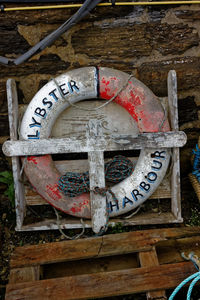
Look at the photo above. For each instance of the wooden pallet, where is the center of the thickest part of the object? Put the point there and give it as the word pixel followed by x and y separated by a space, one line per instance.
pixel 67 124
pixel 118 264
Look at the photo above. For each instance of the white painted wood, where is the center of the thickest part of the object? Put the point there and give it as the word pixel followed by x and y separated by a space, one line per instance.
pixel 175 176
pixel 20 204
pixel 108 143
pixel 98 202
pixel 69 223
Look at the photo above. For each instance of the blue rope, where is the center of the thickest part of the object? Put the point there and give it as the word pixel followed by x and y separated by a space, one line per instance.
pixel 116 170
pixel 192 284
pixel 196 163
pixel 195 277
pixel 185 281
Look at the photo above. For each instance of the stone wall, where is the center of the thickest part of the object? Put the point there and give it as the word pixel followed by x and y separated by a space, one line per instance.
pixel 145 41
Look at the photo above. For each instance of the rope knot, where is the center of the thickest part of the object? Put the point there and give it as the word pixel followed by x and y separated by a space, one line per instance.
pixel 103 191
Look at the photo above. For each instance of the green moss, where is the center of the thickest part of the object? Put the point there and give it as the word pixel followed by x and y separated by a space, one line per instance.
pixel 195 217
pixel 6 177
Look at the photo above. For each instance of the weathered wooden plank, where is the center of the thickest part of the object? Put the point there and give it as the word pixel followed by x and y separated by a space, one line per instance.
pixel 169 251
pixel 147 218
pixel 98 202
pixel 24 274
pixel 175 176
pixel 97 247
pixel 108 143
pixel 20 203
pixel 150 259
pixel 103 284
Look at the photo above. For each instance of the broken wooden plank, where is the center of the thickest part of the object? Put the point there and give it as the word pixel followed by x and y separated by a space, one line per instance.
pixel 108 143
pixel 148 259
pixel 103 284
pixel 97 247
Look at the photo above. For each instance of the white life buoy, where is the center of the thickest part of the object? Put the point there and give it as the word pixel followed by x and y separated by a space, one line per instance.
pixel 93 83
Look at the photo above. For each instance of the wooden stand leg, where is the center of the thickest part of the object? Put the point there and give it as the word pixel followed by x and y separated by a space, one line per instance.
pixel 20 204
pixel 175 176
pixel 97 179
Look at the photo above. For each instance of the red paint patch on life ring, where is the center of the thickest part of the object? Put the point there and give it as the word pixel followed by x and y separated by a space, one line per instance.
pixel 33 159
pixel 78 208
pixel 52 191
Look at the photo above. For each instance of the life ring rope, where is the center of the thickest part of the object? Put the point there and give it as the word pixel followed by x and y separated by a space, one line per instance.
pixel 100 106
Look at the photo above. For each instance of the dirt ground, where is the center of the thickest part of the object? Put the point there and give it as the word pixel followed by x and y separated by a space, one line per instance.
pixel 11 239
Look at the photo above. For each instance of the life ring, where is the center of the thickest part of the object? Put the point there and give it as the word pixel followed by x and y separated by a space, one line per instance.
pixel 93 83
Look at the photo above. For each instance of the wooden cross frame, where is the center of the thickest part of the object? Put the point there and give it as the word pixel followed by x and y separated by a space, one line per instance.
pixel 95 144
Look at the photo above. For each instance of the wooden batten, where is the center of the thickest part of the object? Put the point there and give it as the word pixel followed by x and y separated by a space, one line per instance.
pixel 175 176
pixel 20 203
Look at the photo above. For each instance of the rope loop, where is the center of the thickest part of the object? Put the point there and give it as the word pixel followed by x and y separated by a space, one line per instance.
pixel 116 170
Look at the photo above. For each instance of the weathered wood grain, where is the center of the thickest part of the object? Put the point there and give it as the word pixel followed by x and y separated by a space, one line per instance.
pixel 169 251
pixel 98 202
pixel 107 143
pixel 24 274
pixel 150 259
pixel 97 247
pixel 20 204
pixel 175 176
pixel 103 284
pixel 146 218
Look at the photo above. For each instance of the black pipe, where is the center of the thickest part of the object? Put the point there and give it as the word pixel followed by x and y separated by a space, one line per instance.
pixel 48 40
